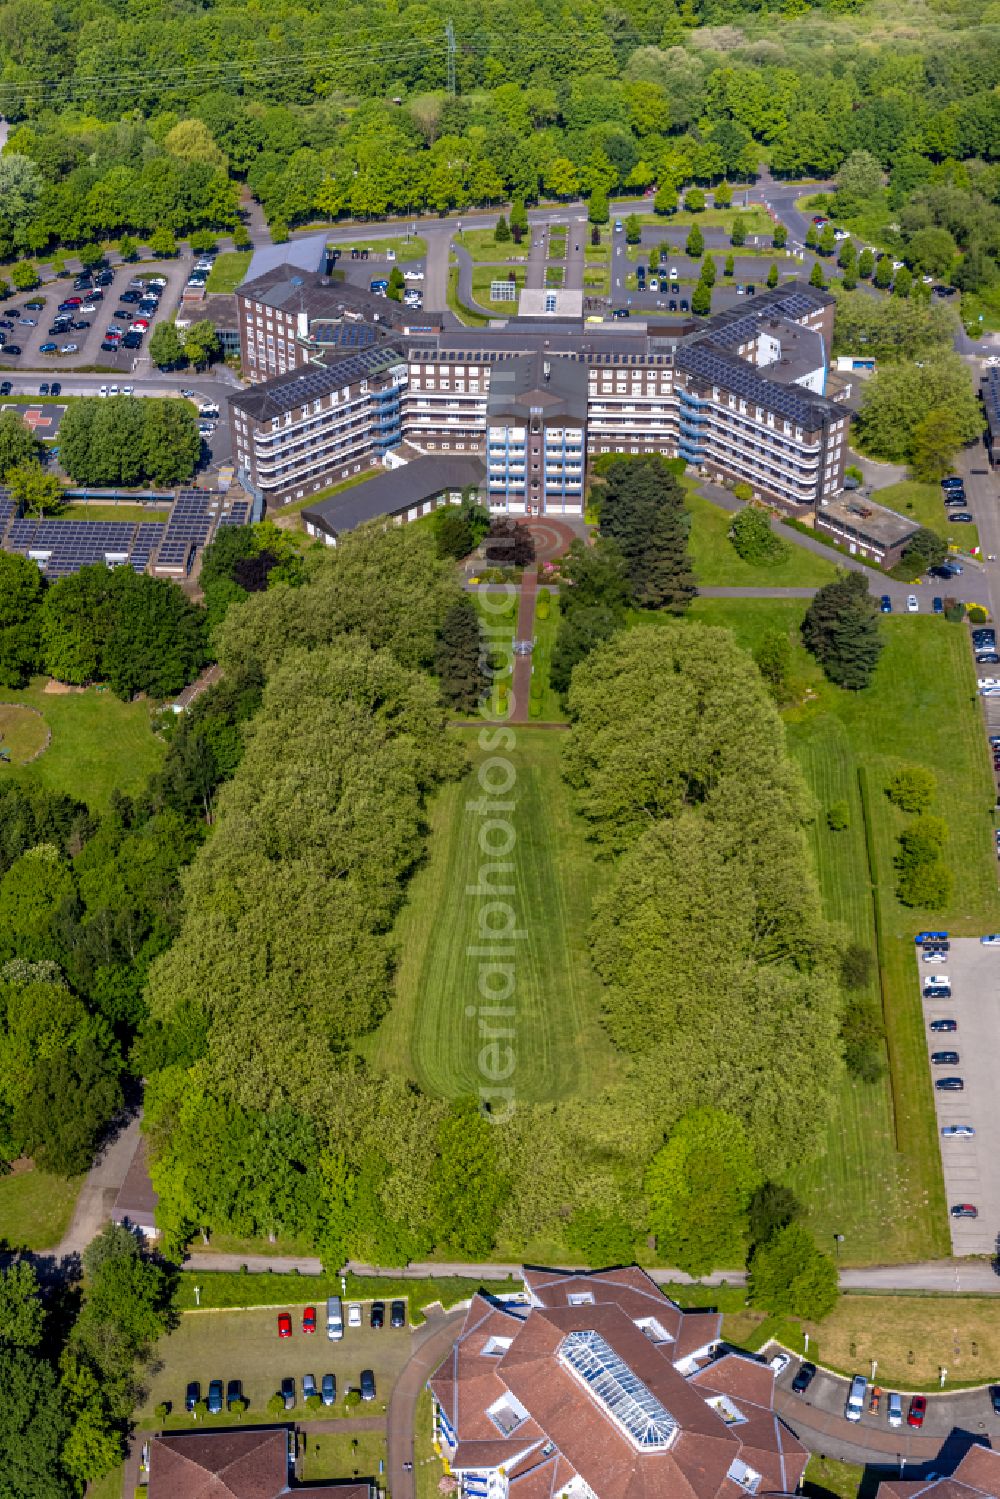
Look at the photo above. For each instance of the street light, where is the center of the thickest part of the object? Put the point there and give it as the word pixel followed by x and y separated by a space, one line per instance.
pixel 839 1239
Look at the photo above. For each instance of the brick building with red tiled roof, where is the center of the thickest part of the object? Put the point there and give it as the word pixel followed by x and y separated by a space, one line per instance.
pixel 232 1465
pixel 976 1477
pixel 598 1386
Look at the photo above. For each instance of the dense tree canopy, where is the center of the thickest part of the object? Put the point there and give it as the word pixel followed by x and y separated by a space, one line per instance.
pixel 128 440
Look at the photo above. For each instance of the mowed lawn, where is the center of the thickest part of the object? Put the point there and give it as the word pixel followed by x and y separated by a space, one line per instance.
pixel 718 564
pixel 35 1208
pixel 913 1338
pixel 434 1032
pixel 879 1180
pixel 343 1455
pixel 98 743
pixel 244 1345
pixel 925 503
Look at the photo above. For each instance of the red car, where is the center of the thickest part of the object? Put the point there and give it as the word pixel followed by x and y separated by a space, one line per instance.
pixel 917 1411
pixel 309 1319
pixel 284 1325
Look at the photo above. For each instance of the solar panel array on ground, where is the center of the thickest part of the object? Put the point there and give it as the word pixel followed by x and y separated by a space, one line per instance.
pixel 239 515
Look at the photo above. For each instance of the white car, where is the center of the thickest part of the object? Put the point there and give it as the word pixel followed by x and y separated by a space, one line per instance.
pixel 958 1131
pixel 103 390
pixel 840 234
pixel 88 307
pixel 390 254
pixel 157 280
pixel 989 692
pixel 115 391
pixel 674 273
pixel 898 265
pixel 779 1362
pixel 989 682
pixel 937 981
pixel 992 362
pixel 354 1314
pixel 935 957
pixel 128 390
pixel 413 275
pixel 912 607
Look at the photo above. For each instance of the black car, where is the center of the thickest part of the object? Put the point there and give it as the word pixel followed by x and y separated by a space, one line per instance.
pixel 751 290
pixel 43 389
pixel 215 1398
pixel 288 1393
pixel 953 481
pixel 122 315
pixel 995 740
pixel 987 658
pixel 950 1085
pixel 129 296
pixel 684 305
pixel 6 322
pixel 397 1314
pixel 619 312
pixel 105 278
pixel 963 517
pixel 995 1398
pixel 367 1385
pixel 944 1025
pixel 55 389
pixel 192 1397
pixel 886 604
pixel 955 497
pixel 107 347
pixel 675 287
pixel 942 991
pixel 12 349
pixel 132 341
pixel 804 1378
pixel 5 387
pixel 58 328
pixel 672 305
pixel 234 1395
pixel 944 1058
pixel 79 326
pixel 378 1314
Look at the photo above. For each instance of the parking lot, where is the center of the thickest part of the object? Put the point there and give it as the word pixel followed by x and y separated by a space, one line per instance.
pixel 245 1345
pixel 89 353
pixel 971 1166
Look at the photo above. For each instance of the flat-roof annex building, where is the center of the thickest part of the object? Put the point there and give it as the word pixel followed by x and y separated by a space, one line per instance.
pixel 597 1386
pixel 740 396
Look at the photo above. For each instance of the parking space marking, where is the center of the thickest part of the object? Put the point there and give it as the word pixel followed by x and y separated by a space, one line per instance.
pixel 971 1168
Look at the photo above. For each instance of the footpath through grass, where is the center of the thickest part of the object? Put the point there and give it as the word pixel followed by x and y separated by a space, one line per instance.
pixel 430 1034
pixel 878 1181
pixel 98 743
pixel 35 1208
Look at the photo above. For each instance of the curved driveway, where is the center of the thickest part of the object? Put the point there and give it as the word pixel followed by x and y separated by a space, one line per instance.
pixel 432 1342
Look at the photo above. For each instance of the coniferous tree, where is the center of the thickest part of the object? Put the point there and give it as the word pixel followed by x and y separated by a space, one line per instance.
pixel 643 510
pixel 458 658
pixel 841 628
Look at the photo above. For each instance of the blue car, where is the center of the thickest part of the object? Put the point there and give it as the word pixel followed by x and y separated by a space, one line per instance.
pixel 938 606
pixel 46 348
pixel 886 604
pixel 923 937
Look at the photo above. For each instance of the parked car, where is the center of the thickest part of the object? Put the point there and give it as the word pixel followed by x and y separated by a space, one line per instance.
pixel 917 1411
pixel 937 605
pixel 192 1396
pixel 886 604
pixel 934 955
pixel 875 1400
pixel 952 481
pixel 309 1319
pixel 992 939
pixel 779 1362
pixel 804 1378
pixel 957 1131
pixel 377 1318
pixel 995 1398
pixel 964 1210
pixel 367 1385
pixel 354 1314
pixel 328 1388
pixel 963 517
pixel 943 1026
pixel 55 389
pixel 284 1325
pixel 950 1085
pixel 288 1392
pixel 234 1395
pixel 46 348
pixel 944 1058
pixel 912 606
pixel 215 1398
pixel 397 1314
pixel 11 349
pixel 894 1410
pixel 5 387
pixel 308 1386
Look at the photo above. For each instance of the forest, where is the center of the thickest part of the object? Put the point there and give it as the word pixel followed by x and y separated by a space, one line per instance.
pixel 329 111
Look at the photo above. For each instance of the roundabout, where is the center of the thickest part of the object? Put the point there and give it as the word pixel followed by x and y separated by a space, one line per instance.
pixel 24 734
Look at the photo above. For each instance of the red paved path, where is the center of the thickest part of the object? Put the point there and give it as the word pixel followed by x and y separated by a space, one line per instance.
pixel 521 684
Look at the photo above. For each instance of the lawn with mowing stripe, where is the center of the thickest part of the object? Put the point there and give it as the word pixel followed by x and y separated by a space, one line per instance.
pixel 559 1044
pixel 229 270
pixel 920 710
pixel 718 564
pixel 924 503
pixel 482 244
pixel 913 1337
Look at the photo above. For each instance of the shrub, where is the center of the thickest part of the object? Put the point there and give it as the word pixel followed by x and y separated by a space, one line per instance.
pixel 955 613
pixel 977 614
pixel 838 817
pixel 926 884
pixel 863 1036
pixel 276 1405
pixel 542 610
pixel 912 789
pixel 857 967
pixel 162 1411
pixel 535 708
pixel 753 539
pixel 314 1404
pixel 743 491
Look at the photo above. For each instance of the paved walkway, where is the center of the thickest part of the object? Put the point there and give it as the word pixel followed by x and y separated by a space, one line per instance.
pixel 97 1196
pixel 432 1343
pixel 521 684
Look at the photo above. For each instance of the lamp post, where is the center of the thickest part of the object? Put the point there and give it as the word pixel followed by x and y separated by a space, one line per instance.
pixel 197 1295
pixel 838 1239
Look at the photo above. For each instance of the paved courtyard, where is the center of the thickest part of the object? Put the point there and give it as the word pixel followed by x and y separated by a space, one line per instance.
pixel 971 1167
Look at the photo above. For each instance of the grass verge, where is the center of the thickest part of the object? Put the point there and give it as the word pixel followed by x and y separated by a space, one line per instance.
pixel 717 563
pixel 232 1290
pixel 229 270
pixel 913 1338
pixel 482 244
pixel 324 494
pixel 464 314
pixel 98 743
pixel 429 1034
pixel 112 512
pixel 342 1455
pixel 825 1478
pixel 483 278
pixel 428 1470
pixel 880 1187
pixel 413 249
pixel 35 1209
pixel 925 503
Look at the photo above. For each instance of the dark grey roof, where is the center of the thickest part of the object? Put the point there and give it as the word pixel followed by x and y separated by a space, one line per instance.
pixel 285 392
pixel 518 338
pixel 717 366
pixel 330 298
pixel 866 519
pixel 393 492
pixel 532 381
pixel 802 350
pixel 738 325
